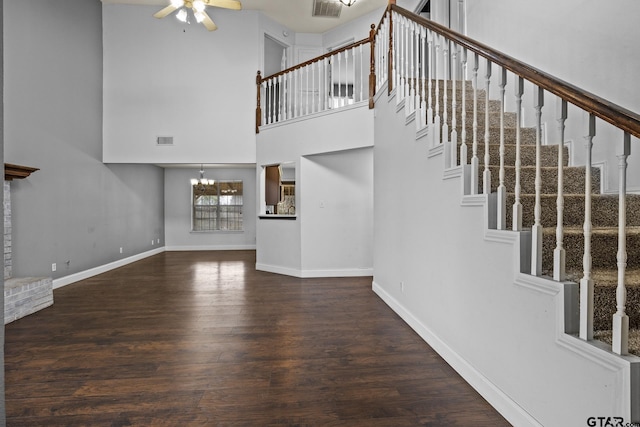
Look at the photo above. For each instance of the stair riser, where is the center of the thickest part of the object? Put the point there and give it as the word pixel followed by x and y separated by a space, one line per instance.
pixel 604 298
pixel 527 135
pixel 549 155
pixel 574 179
pixel 604 210
pixel 603 253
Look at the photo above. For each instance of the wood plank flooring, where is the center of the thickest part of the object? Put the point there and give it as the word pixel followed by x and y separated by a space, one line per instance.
pixel 202 339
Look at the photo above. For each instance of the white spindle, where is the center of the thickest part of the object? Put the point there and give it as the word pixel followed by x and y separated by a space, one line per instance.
pixel 586 283
pixel 417 78
pixel 454 107
pixel 423 79
pixel 620 319
pixel 517 205
pixel 486 176
pixel 363 75
pixel 536 229
pixel 474 157
pixel 502 190
pixel 325 80
pixel 436 119
pixel 272 101
pixel 559 253
pixel 339 79
pixel 463 145
pixel 306 85
pixel 313 86
pixel 265 102
pixel 332 103
pixel 430 81
pixel 445 96
pixel 411 85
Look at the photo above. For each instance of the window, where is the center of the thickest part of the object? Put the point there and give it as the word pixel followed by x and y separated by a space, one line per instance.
pixel 217 206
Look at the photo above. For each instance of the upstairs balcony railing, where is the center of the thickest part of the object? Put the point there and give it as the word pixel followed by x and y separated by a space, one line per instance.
pixel 334 80
pixel 427 67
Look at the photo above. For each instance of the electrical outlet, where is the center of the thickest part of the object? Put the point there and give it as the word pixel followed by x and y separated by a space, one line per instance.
pixel 120 250
pixel 53 267
pixel 158 242
pixel 152 241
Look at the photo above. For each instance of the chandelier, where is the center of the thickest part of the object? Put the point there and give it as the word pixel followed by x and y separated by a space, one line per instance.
pixel 347 3
pixel 200 183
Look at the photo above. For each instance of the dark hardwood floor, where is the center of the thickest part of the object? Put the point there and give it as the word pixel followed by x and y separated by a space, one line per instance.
pixel 202 339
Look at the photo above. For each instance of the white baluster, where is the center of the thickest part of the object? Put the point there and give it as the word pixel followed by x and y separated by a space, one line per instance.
pixel 325 80
pixel 454 108
pixel 294 89
pixel 264 100
pixel 463 136
pixel 285 100
pixel 418 80
pixel 559 253
pixel 502 190
pixel 620 319
pixel 536 229
pixel 272 103
pixel 430 82
pixel 517 205
pixel 401 67
pixel 331 82
pixel 586 283
pixel 363 75
pixel 474 157
pixel 313 86
pixel 436 119
pixel 306 85
pixel 423 79
pixel 445 98
pixel 486 176
pixel 408 106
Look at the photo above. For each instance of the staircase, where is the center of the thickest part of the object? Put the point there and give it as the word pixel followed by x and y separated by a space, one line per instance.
pixel 604 239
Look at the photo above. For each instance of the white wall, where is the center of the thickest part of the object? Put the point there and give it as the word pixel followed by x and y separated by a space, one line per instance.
pixel 458 286
pixel 177 208
pixel 337 201
pixel 587 43
pixel 336 131
pixel 165 78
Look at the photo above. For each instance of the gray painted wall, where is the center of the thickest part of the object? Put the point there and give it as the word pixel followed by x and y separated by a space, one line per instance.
pixel 3 418
pixel 75 208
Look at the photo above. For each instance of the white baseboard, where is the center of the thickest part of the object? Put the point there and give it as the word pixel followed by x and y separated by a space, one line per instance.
pixel 508 408
pixel 307 274
pixel 211 248
pixel 76 277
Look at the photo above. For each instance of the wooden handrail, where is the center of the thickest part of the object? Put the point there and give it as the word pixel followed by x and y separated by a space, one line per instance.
pixel 618 116
pixel 316 59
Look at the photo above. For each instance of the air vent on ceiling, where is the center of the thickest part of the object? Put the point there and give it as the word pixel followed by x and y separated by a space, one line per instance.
pixel 327 8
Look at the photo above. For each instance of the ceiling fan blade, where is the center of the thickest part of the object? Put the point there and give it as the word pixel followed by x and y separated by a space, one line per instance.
pixel 208 23
pixel 226 4
pixel 164 12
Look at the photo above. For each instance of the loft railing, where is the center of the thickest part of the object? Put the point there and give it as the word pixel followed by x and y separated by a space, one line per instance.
pixel 334 80
pixel 424 62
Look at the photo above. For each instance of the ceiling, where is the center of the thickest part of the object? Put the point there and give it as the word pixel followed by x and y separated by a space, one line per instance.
pixel 293 14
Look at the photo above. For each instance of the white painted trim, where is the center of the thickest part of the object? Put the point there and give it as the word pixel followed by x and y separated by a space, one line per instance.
pixel 423 132
pixel 360 104
pixel 410 118
pixel 436 151
pixel 451 173
pixel 86 274
pixel 308 274
pixel 211 248
pixel 506 406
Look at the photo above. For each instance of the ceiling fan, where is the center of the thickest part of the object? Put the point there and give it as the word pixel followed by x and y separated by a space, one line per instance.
pixel 198 9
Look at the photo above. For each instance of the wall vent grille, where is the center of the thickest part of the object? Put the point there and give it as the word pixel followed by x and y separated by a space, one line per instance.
pixel 165 140
pixel 327 8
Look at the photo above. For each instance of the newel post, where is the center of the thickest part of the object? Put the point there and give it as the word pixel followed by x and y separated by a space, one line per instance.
pixel 258 108
pixel 390 55
pixel 372 65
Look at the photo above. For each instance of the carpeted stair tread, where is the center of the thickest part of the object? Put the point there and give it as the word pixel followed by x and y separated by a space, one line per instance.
pixel 548 154
pixel 527 136
pixel 574 178
pixel 634 339
pixel 604 209
pixel 604 245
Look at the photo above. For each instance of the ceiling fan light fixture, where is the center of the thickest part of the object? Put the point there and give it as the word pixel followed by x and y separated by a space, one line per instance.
pixel 182 15
pixel 199 6
pixel 199 16
pixel 348 3
pixel 177 3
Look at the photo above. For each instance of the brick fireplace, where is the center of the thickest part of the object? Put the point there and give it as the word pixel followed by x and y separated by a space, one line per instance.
pixel 22 295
